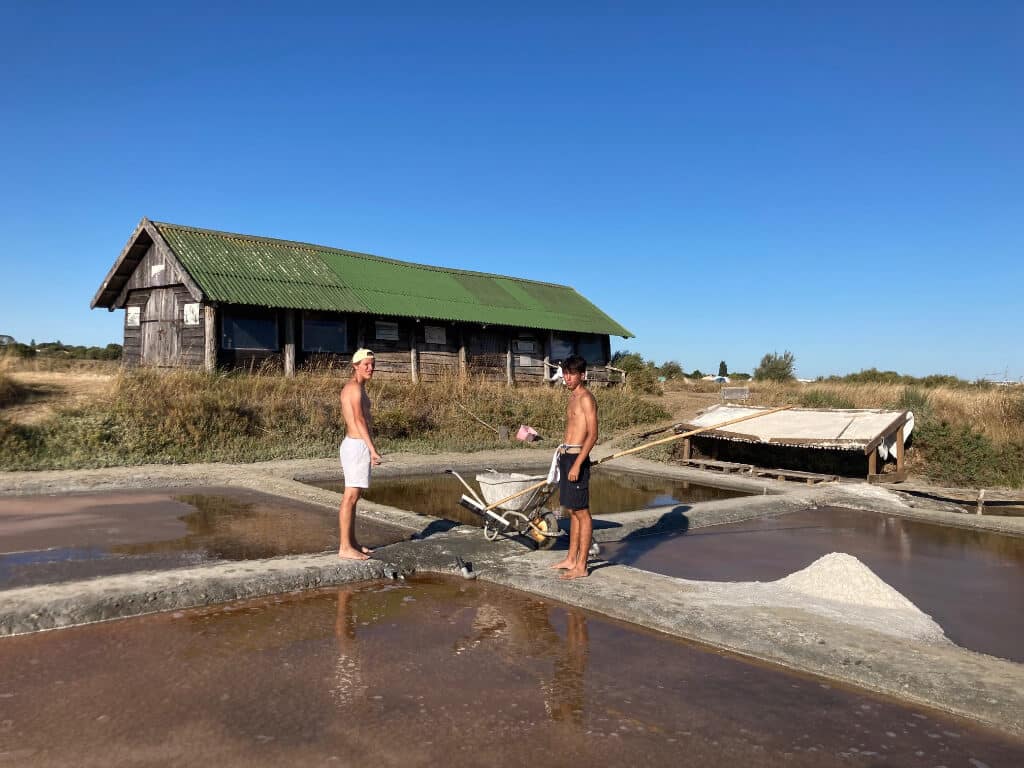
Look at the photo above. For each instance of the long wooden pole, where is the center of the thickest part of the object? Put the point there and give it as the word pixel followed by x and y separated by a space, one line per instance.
pixel 691 433
pixel 645 446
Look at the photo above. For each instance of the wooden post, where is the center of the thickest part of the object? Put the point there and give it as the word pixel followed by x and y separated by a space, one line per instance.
pixel 414 362
pixel 872 463
pixel 289 343
pixel 547 358
pixel 899 449
pixel 981 501
pixel 361 332
pixel 463 360
pixel 210 340
pixel 509 380
pixel 687 450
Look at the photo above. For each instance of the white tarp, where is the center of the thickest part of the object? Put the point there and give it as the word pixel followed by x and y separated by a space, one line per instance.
pixel 845 429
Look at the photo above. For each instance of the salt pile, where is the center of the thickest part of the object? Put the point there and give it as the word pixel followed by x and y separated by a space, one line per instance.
pixel 845 579
pixel 838 587
pixel 841 586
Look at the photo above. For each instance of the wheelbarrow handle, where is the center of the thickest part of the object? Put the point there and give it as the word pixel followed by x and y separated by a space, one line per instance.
pixel 467 486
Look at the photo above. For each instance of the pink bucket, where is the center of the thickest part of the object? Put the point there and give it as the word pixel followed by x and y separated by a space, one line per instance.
pixel 529 434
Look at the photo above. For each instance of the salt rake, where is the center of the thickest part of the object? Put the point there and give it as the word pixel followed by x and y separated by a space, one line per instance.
pixel 542 525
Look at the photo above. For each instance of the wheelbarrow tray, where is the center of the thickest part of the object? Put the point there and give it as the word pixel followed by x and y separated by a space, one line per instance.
pixel 495 486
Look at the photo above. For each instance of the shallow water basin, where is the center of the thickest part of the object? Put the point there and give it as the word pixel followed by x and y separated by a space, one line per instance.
pixel 438 672
pixel 438 494
pixel 971 582
pixel 48 539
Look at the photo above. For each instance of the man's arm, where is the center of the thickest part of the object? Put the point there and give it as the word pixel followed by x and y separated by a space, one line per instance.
pixel 352 407
pixel 588 409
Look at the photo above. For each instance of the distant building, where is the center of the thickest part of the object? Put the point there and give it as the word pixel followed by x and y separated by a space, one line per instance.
pixel 208 299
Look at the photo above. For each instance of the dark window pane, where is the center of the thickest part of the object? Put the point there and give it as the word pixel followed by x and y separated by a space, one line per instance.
pixel 324 335
pixel 591 349
pixel 241 332
pixel 561 348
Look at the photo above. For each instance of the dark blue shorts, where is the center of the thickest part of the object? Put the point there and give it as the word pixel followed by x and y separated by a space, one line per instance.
pixel 573 495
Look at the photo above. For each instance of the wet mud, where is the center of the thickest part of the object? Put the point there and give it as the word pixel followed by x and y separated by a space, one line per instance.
pixel 51 539
pixel 437 671
pixel 971 582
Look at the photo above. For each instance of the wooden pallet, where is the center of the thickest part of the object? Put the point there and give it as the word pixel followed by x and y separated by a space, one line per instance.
pixel 730 467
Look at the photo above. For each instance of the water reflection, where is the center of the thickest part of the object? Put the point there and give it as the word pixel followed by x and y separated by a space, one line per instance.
pixel 564 694
pixel 348 685
pixel 54 539
pixel 434 672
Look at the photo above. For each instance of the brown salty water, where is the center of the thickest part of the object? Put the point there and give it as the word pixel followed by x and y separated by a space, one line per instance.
pixel 432 672
pixel 48 539
pixel 970 582
pixel 610 492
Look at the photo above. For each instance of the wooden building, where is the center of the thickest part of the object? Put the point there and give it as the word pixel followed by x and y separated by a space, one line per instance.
pixel 206 299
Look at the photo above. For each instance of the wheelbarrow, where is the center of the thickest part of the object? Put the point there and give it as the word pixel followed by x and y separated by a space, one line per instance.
pixel 512 504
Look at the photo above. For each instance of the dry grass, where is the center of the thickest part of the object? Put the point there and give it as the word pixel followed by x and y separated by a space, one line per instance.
pixel 183 416
pixel 964 435
pixel 996 412
pixel 11 391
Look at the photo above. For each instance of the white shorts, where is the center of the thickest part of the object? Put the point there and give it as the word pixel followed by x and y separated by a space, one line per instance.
pixel 355 462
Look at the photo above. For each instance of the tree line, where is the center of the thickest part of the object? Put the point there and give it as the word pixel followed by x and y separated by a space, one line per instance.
pixel 55 349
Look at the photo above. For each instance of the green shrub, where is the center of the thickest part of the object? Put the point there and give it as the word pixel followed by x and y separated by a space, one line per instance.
pixel 818 398
pixel 671 370
pixel 644 380
pixel 776 367
pixel 914 399
pixel 968 458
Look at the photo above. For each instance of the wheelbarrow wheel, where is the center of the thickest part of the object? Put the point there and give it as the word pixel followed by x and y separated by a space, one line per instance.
pixel 548 530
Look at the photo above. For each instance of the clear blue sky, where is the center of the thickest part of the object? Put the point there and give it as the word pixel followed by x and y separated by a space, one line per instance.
pixel 845 181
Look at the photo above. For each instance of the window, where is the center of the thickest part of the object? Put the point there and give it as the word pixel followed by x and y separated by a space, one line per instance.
pixel 249 332
pixel 561 348
pixel 434 334
pixel 591 349
pixel 191 314
pixel 323 335
pixel 386 331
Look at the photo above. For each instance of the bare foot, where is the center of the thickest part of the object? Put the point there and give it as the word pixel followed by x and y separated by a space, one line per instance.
pixel 575 574
pixel 352 554
pixel 564 565
pixel 364 550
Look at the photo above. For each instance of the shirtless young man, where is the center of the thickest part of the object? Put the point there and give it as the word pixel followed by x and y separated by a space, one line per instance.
pixel 357 452
pixel 574 467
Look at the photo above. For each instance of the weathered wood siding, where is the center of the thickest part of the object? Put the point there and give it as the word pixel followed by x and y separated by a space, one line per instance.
pixel 162 338
pixel 155 270
pixel 528 350
pixel 486 353
pixel 437 361
pixel 131 355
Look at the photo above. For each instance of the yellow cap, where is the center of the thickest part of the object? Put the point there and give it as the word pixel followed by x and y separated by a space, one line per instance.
pixel 360 355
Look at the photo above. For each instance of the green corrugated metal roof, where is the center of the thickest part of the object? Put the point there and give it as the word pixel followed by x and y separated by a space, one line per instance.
pixel 240 269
